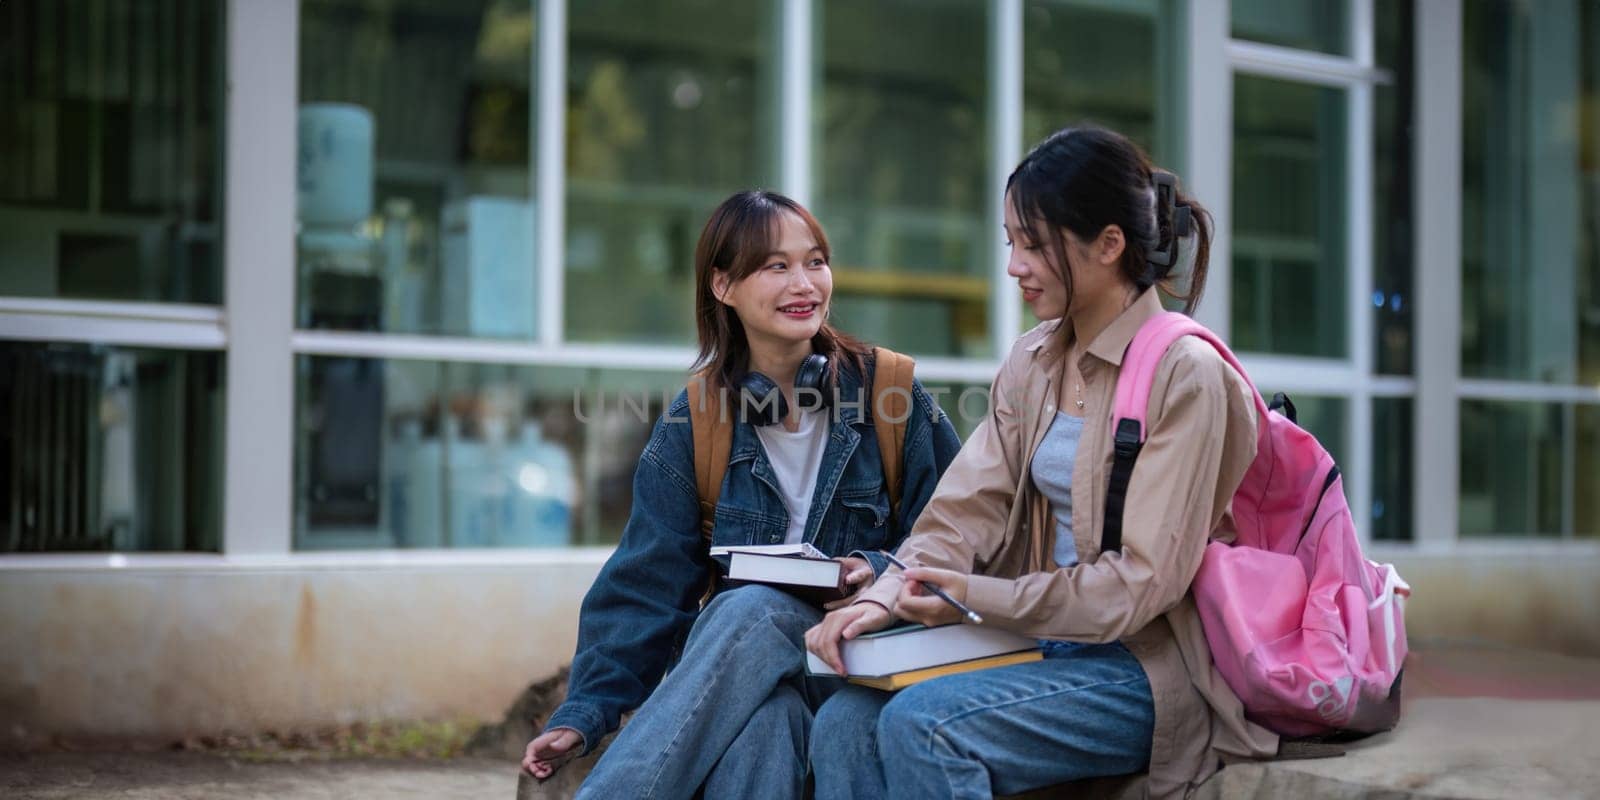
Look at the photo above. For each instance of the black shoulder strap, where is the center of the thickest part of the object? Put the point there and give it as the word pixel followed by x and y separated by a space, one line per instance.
pixel 1124 454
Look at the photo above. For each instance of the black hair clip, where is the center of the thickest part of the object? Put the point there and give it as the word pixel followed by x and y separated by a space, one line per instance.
pixel 1166 185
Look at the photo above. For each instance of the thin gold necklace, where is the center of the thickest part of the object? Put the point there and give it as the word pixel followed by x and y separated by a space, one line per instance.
pixel 1077 377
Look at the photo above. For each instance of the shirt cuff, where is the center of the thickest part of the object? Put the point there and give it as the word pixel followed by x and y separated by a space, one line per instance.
pixel 582 719
pixel 883 591
pixel 874 559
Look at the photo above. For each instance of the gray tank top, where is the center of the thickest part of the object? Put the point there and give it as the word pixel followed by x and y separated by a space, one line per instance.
pixel 1052 473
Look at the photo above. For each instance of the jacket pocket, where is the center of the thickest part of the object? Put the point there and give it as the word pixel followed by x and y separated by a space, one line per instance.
pixel 866 519
pixel 736 526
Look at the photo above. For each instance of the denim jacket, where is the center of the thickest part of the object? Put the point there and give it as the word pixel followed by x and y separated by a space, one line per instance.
pixel 641 606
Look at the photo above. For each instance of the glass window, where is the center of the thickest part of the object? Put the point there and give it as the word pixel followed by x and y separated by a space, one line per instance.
pixel 1319 25
pixel 1101 63
pixel 1585 473
pixel 966 404
pixel 1530 198
pixel 111 115
pixel 414 173
pixel 1391 468
pixel 1513 461
pixel 422 454
pixel 902 171
pixel 109 448
pixel 1288 218
pixel 671 108
pixel 1392 193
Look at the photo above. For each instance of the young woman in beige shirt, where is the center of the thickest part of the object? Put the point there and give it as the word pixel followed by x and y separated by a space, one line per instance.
pixel 1013 530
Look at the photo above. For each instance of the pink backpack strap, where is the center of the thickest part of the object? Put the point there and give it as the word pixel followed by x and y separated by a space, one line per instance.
pixel 1130 409
pixel 1144 356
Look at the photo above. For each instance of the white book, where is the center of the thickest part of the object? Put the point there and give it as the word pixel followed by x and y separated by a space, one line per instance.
pixel 915 647
pixel 803 549
pixel 797 570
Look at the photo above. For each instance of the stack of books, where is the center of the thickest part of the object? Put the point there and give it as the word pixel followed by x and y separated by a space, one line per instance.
pixel 899 657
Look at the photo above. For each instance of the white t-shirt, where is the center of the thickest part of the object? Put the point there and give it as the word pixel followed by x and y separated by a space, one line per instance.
pixel 795 458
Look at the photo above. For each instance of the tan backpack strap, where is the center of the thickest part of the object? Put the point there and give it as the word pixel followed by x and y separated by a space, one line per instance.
pixel 713 439
pixel 891 409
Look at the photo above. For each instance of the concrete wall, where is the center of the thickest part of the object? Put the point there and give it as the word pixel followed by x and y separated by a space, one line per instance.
pixel 153 650
pixel 1539 597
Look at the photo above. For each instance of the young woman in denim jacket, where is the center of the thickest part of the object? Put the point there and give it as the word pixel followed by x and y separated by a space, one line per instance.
pixel 733 714
pixel 1014 531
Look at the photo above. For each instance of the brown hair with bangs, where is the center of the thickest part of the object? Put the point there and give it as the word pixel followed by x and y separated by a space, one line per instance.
pixel 736 240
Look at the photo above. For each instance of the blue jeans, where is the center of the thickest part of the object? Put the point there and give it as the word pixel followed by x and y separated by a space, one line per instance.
pixel 1084 711
pixel 733 715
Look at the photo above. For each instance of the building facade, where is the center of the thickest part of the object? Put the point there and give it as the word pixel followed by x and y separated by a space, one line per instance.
pixel 333 329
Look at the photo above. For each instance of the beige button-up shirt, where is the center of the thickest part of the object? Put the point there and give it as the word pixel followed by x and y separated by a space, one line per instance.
pixel 989 519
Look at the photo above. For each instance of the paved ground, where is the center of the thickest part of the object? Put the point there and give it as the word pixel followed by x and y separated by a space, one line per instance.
pixel 1479 722
pixel 192 776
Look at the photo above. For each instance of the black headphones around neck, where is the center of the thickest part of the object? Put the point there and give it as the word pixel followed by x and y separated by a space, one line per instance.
pixel 761 402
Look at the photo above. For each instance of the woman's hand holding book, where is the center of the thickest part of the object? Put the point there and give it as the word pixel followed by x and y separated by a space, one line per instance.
pixel 846 623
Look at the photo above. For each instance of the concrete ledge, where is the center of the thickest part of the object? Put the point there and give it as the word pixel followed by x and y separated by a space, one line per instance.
pixel 149 646
pixel 163 651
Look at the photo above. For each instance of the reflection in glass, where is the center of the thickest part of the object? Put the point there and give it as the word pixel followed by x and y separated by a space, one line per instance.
pixel 1392 193
pixel 110 146
pixel 670 109
pixel 1512 466
pixel 1391 468
pixel 414 173
pixel 1101 63
pixel 902 171
pixel 1288 218
pixel 1319 25
pixel 1530 199
pixel 109 448
pixel 421 454
pixel 1585 472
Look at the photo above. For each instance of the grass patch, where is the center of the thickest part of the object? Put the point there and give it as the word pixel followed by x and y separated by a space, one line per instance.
pixel 399 740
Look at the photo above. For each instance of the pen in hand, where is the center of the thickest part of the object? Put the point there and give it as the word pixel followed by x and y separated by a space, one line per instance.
pixel 959 606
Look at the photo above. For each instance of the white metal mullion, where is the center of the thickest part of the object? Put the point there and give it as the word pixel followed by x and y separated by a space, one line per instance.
pixel 1363 34
pixel 957 370
pixel 794 123
pixel 1300 66
pixel 1295 374
pixel 133 324
pixel 127 331
pixel 1524 391
pixel 599 356
pixel 262 45
pixel 1437 258
pixel 1392 386
pixel 549 168
pixel 155 312
pixel 1005 150
pixel 1208 155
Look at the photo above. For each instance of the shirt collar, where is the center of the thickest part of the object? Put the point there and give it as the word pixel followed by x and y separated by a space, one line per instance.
pixel 1112 342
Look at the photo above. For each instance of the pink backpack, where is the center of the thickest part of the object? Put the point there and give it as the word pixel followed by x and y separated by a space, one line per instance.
pixel 1308 633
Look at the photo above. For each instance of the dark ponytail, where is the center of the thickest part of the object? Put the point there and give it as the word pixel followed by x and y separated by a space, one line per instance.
pixel 1087 178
